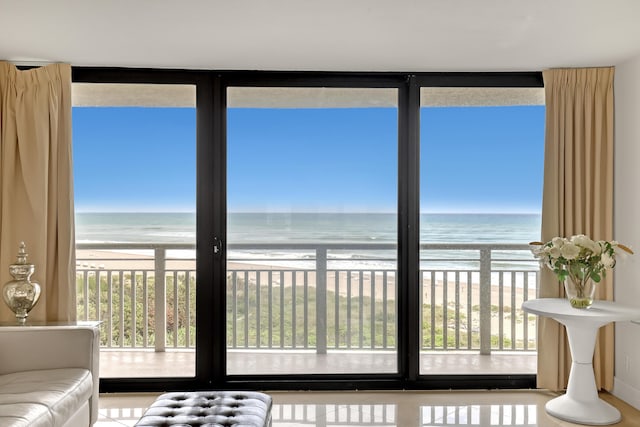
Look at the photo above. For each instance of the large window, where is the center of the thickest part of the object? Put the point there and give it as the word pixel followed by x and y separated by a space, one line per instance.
pixel 312 196
pixel 134 171
pixel 480 203
pixel 308 230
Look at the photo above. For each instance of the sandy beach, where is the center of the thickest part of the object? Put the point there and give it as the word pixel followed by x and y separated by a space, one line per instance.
pixel 456 283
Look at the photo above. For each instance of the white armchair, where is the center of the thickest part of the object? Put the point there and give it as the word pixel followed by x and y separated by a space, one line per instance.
pixel 49 375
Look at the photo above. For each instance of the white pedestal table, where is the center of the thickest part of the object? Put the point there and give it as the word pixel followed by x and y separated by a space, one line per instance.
pixel 581 404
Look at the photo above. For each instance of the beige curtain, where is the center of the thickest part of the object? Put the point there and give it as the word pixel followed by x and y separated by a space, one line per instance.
pixel 577 199
pixel 36 203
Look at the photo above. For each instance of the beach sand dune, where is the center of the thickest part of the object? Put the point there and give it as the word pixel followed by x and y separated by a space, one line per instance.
pixel 365 284
pixel 460 292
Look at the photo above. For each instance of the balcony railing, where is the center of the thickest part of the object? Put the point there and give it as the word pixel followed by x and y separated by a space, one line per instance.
pixel 311 297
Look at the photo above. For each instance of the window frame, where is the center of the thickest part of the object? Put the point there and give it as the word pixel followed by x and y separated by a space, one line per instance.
pixel 211 225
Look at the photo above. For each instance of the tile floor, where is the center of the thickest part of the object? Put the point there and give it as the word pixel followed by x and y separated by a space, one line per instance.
pixel 386 409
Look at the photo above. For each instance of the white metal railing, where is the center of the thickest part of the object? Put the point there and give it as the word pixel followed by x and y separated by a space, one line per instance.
pixel 470 296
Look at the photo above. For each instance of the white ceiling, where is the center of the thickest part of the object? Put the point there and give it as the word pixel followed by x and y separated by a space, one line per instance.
pixel 332 35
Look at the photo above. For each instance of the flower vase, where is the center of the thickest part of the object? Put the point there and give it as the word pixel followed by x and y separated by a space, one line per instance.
pixel 580 292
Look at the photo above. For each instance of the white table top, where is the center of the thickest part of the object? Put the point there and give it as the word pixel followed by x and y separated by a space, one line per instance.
pixel 560 308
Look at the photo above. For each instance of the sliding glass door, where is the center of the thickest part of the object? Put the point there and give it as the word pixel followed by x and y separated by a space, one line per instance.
pixel 480 205
pixel 311 230
pixel 135 199
pixel 316 230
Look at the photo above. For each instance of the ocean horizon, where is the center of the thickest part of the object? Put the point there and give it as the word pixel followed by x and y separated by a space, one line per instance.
pixel 281 229
pixel 248 227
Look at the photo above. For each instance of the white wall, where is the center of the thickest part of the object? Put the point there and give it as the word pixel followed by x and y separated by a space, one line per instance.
pixel 627 226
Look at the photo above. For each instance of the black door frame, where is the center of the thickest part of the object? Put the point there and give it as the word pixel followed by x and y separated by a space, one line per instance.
pixel 211 226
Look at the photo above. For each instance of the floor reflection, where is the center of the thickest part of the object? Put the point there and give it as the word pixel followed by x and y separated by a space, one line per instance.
pixel 386 409
pixel 334 415
pixel 385 415
pixel 480 415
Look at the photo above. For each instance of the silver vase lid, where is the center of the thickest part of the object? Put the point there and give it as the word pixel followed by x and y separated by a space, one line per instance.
pixel 21 269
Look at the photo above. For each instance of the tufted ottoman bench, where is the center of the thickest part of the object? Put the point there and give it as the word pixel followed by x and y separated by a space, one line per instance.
pixel 209 409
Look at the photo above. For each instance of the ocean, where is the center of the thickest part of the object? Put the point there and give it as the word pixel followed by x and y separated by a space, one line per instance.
pixel 280 229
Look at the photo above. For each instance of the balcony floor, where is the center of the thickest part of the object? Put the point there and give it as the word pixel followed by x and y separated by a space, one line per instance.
pixel 181 363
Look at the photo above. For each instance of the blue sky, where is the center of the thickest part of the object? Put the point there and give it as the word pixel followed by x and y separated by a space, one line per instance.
pixel 482 159
pixel 475 159
pixel 134 159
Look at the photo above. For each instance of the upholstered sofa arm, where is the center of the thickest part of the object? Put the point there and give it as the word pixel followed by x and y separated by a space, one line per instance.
pixel 26 348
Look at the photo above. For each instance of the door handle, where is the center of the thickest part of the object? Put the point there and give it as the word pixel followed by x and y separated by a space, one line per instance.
pixel 217 246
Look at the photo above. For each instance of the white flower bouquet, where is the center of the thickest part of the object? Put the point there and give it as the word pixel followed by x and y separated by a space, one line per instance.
pixel 579 262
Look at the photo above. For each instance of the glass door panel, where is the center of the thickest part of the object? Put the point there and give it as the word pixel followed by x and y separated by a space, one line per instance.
pixel 312 230
pixel 134 171
pixel 481 191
